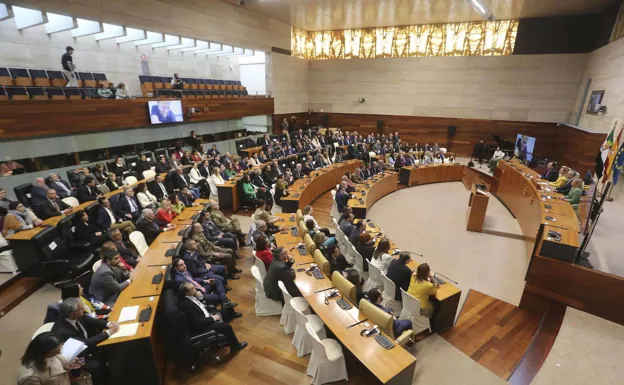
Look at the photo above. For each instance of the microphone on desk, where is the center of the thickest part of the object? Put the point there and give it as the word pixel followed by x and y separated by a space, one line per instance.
pixel 442 275
pixel 157 279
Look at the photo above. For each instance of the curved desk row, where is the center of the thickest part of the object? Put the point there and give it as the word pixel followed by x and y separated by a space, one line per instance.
pixel 433 173
pixel 304 191
pixel 371 191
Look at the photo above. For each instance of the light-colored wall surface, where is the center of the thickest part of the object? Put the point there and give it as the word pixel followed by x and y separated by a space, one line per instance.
pixel 604 68
pixel 34 48
pixel 539 88
pixel 288 79
pixel 213 20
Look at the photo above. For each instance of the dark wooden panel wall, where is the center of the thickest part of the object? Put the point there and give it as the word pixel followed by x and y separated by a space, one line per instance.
pixel 586 289
pixel 33 118
pixel 569 146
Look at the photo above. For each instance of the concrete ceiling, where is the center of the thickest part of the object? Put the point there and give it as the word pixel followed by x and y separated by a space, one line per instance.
pixel 318 15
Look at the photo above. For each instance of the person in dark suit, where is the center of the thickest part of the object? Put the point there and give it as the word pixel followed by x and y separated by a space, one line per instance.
pixel 143 165
pixel 149 227
pixel 194 141
pixel 359 229
pixel 213 151
pixel 364 173
pixel 264 141
pixel 88 191
pixel 216 236
pixel 39 192
pixel 112 183
pixel 298 172
pixel 107 219
pixel 162 166
pixel 365 246
pixel 200 320
pixel 119 168
pixel 84 232
pixel 158 189
pixel 280 270
pixel 204 169
pixel 342 197
pixel 109 280
pixel 73 323
pixel 400 274
pixel 53 206
pixel 62 187
pixel 347 226
pixel 551 174
pixel 179 181
pixel 127 253
pixel 211 293
pixel 127 206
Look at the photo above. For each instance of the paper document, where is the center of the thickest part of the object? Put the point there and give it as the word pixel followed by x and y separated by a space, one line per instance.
pixel 72 348
pixel 128 313
pixel 126 330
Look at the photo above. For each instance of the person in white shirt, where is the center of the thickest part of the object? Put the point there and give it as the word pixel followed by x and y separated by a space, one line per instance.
pixel 253 161
pixel 498 155
pixel 145 197
pixel 198 180
pixel 381 258
pixel 214 181
pixel 307 215
pixel 122 92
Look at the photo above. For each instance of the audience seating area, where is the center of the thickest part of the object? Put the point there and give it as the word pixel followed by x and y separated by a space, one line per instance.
pixel 160 86
pixel 39 84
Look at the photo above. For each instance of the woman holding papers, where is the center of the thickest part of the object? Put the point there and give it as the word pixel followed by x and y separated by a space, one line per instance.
pixel 43 364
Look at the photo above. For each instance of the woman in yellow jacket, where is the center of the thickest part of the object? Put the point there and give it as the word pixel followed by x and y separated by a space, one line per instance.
pixel 422 287
pixel 561 181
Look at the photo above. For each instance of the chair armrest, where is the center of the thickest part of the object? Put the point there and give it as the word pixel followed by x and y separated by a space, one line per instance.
pixel 405 337
pixel 203 336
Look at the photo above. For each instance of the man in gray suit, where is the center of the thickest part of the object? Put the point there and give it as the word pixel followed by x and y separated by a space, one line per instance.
pixel 280 270
pixel 39 191
pixel 109 279
pixel 62 187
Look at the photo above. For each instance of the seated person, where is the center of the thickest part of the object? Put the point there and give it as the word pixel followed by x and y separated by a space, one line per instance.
pixel 104 93
pixel 145 197
pixel 381 257
pixel 127 206
pixel 249 191
pixel 88 191
pixel 270 220
pixel 216 236
pixel 212 253
pixel 574 196
pixel 565 189
pixel 280 270
pixel 347 226
pixel 225 224
pixel 149 227
pixel 337 261
pixel 85 232
pixel 398 326
pixel 263 251
pixel 128 254
pixel 111 277
pixel 198 268
pixel 360 228
pixel 62 187
pixel 323 242
pixel 342 197
pixel 92 307
pixel 18 218
pixel 563 172
pixel 165 212
pixel 42 363
pixel 186 197
pixel 281 190
pixel 73 323
pixel 350 185
pixel 107 219
pixel 53 206
pixel 400 274
pixel 201 321
pixel 422 288
pixel 353 276
pixel 261 230
pixel 365 246
pixel 176 205
pixel 498 155
pixel 213 292
pixel 343 216
pixel 112 183
pixel 551 173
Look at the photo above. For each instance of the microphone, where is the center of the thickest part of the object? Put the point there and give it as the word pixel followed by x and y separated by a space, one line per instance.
pixel 440 274
pixel 412 253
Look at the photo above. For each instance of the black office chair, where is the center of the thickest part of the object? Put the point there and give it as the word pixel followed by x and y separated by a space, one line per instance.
pixel 168 181
pixel 73 178
pixel 160 152
pixel 57 260
pixel 131 161
pixel 66 229
pixel 149 155
pixel 182 347
pixel 92 211
pixel 22 192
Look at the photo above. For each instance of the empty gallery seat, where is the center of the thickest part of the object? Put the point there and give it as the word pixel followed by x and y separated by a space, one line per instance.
pixel 39 78
pixel 56 93
pixel 72 93
pixel 101 79
pixel 5 77
pixel 57 78
pixel 87 79
pixel 37 93
pixel 17 93
pixel 21 77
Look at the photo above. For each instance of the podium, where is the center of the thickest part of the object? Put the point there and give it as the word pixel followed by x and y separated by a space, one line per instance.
pixel 477 206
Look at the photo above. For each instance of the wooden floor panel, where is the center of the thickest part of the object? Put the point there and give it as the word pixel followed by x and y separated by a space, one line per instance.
pixel 494 333
pixel 17 289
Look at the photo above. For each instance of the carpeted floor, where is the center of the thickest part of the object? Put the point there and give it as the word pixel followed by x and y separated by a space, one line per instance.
pixel 431 220
pixel 588 350
pixel 441 363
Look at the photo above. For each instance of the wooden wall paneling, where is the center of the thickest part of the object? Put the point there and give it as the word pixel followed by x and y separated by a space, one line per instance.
pixel 33 118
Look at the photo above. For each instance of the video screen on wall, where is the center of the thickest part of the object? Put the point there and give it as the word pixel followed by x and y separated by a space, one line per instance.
pixel 524 147
pixel 165 111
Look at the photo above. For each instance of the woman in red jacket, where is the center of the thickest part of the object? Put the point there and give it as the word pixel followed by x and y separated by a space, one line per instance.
pixel 165 213
pixel 263 252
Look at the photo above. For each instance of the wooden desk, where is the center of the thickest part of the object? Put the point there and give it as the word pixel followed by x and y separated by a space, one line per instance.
pixel 371 191
pixel 395 366
pixel 305 191
pixel 432 173
pixel 477 207
pixel 251 150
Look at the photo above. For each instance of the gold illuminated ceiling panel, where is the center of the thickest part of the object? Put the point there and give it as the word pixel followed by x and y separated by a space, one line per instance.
pixel 481 38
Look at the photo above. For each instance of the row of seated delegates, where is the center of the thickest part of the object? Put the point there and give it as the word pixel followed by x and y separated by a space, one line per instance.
pixel 112 92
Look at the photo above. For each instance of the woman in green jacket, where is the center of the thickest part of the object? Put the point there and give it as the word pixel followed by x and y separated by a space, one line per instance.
pixel 249 190
pixel 574 196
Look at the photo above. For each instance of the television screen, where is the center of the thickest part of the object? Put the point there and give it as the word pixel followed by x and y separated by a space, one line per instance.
pixel 524 147
pixel 165 111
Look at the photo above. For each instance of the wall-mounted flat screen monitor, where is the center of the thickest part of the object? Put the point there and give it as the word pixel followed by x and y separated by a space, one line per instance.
pixel 165 111
pixel 524 147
